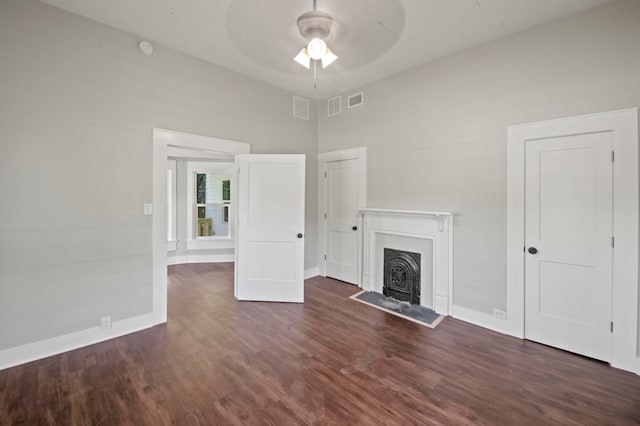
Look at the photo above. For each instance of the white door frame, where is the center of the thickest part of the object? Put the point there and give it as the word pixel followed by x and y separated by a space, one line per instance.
pixel 359 154
pixel 162 139
pixel 623 127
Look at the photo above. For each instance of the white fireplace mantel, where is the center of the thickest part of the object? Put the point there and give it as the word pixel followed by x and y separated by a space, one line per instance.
pixel 437 215
pixel 410 226
pixel 409 212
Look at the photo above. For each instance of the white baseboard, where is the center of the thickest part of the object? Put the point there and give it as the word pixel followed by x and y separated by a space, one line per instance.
pixel 211 244
pixel 200 258
pixel 632 365
pixel 57 345
pixel 500 325
pixel 478 318
pixel 311 272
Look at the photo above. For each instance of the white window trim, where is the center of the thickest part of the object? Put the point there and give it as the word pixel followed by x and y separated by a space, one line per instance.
pixel 213 242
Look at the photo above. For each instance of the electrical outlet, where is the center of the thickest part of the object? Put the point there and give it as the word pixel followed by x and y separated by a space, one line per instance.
pixel 148 208
pixel 499 313
pixel 105 323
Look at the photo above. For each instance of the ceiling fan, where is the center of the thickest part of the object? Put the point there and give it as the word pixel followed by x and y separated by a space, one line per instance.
pixel 315 27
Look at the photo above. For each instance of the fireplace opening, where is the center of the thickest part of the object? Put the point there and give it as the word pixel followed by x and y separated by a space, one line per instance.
pixel 402 275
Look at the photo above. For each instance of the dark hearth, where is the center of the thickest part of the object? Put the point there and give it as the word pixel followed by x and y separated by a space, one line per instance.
pixel 402 275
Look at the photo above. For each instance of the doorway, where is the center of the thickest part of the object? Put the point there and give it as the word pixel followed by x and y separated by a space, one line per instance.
pixel 341 191
pixel 162 140
pixel 572 235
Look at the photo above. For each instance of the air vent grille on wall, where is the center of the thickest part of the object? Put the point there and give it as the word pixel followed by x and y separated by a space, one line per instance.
pixel 355 100
pixel 334 106
pixel 300 108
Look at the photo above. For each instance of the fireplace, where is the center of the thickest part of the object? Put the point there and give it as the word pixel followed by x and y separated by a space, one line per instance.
pixel 402 275
pixel 428 233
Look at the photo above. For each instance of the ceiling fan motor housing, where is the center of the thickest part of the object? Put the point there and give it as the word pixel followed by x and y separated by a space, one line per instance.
pixel 315 24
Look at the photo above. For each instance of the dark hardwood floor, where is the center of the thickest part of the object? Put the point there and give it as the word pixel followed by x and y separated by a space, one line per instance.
pixel 329 361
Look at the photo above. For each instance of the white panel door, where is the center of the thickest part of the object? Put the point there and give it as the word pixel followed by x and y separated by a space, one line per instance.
pixel 568 237
pixel 342 232
pixel 270 249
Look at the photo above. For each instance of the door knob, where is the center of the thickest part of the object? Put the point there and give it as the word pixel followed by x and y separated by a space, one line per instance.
pixel 355 228
pixel 299 235
pixel 533 250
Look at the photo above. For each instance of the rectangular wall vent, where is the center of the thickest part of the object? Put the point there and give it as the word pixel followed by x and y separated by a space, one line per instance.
pixel 300 108
pixel 355 100
pixel 334 106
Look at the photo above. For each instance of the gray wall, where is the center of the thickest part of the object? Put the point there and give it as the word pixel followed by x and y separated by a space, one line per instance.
pixel 77 106
pixel 436 135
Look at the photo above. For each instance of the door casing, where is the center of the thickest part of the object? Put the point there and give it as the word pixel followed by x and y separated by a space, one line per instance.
pixel 623 126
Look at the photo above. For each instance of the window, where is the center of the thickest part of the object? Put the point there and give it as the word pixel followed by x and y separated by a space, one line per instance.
pixel 213 199
pixel 210 211
pixel 171 205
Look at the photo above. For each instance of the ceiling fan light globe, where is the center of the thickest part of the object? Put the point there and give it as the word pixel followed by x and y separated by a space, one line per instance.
pixel 303 59
pixel 316 48
pixel 328 58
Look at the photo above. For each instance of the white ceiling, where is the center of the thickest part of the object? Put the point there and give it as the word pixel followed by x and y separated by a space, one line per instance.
pixel 373 38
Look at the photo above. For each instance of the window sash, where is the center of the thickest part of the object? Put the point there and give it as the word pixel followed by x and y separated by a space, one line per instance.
pixel 225 219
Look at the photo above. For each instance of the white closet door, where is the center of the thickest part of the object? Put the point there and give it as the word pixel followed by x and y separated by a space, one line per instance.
pixel 343 235
pixel 568 235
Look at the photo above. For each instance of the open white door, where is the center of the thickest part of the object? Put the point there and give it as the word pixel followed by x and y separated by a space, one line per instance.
pixel 270 243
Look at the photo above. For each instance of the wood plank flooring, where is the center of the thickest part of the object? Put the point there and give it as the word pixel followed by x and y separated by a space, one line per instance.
pixel 329 361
